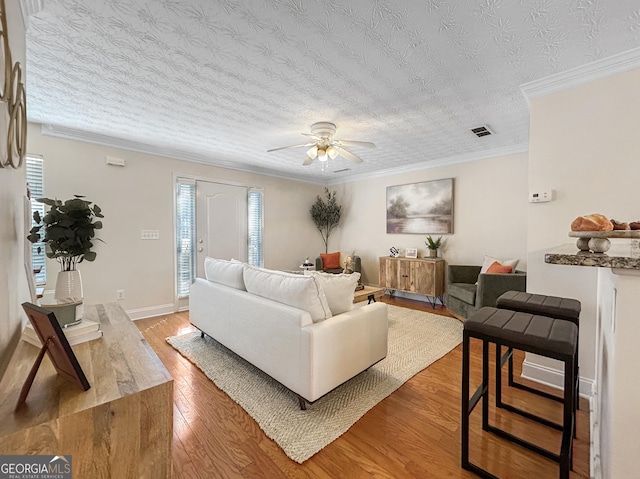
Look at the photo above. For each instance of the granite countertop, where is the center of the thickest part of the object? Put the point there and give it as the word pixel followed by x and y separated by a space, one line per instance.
pixel 619 256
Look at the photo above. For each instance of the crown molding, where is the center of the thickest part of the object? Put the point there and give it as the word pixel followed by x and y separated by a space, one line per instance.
pixel 176 154
pixel 30 7
pixel 452 160
pixel 589 72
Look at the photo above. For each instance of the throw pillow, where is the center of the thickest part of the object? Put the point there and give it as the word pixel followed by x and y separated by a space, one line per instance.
pixel 297 290
pixel 330 260
pixel 497 268
pixel 224 272
pixel 489 260
pixel 338 288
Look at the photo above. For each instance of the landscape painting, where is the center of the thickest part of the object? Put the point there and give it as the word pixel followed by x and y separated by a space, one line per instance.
pixel 421 208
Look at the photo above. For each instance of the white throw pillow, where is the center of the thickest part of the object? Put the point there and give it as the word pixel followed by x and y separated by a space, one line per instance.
pixel 489 260
pixel 297 290
pixel 338 288
pixel 224 272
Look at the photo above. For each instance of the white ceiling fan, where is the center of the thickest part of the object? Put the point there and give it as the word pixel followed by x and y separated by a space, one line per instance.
pixel 325 146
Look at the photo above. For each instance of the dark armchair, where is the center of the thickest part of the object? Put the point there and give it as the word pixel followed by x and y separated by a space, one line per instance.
pixel 357 265
pixel 464 296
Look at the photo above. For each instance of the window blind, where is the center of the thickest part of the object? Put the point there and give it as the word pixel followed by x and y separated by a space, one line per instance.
pixel 255 217
pixel 35 181
pixel 186 234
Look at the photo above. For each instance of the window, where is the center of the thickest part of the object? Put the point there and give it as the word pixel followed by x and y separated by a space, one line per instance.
pixel 35 180
pixel 254 202
pixel 186 234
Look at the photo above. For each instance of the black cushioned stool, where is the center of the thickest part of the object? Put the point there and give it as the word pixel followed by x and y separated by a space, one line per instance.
pixel 551 306
pixel 549 337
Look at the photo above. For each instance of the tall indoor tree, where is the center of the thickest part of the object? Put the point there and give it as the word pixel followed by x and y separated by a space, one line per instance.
pixel 326 214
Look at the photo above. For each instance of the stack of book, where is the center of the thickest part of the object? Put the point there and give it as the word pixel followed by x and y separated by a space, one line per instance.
pixel 86 330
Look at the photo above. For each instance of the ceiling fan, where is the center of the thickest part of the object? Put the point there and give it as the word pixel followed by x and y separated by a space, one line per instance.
pixel 325 146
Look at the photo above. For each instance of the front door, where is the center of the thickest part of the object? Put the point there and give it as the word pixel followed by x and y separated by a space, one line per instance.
pixel 221 223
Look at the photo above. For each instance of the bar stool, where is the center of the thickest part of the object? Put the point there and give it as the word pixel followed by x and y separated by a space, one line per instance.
pixel 552 306
pixel 549 337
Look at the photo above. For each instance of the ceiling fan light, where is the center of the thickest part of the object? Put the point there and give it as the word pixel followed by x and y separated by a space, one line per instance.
pixel 332 152
pixel 312 152
pixel 322 154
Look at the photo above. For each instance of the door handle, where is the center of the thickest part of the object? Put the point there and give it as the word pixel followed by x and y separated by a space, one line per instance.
pixel 200 250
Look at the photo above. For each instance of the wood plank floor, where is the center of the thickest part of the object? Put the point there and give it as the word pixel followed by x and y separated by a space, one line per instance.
pixel 414 433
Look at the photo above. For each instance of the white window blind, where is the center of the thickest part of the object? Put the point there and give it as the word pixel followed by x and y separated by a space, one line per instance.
pixel 255 214
pixel 186 234
pixel 35 180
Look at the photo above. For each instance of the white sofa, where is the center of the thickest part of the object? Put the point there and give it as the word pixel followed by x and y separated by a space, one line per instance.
pixel 302 345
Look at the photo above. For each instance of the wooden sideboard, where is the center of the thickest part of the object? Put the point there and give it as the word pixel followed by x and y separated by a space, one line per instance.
pixel 421 276
pixel 121 427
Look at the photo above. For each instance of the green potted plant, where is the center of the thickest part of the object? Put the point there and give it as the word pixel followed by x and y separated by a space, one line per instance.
pixel 433 246
pixel 326 215
pixel 69 231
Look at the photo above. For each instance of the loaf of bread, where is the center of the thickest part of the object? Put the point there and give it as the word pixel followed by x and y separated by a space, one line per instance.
pixel 593 222
pixel 618 225
pixel 635 225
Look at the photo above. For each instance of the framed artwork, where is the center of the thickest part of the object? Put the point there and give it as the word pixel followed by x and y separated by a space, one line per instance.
pixel 56 346
pixel 411 253
pixel 420 208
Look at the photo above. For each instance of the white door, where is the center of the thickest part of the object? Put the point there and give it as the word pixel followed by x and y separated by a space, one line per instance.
pixel 221 223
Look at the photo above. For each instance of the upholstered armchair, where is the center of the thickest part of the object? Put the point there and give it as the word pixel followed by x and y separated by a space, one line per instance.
pixel 468 290
pixel 338 267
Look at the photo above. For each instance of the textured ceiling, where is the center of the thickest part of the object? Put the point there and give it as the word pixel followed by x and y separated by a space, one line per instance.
pixel 225 80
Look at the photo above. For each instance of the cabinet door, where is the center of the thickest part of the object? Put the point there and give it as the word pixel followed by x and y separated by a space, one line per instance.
pixel 424 277
pixel 388 273
pixel 405 275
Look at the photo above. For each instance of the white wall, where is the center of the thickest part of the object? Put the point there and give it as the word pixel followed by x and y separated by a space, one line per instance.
pixel 490 204
pixel 140 196
pixel 13 285
pixel 584 144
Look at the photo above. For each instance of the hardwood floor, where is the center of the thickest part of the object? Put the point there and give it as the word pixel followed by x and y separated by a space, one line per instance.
pixel 414 433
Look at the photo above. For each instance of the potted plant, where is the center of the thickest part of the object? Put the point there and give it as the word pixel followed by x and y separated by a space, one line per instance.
pixel 69 231
pixel 326 215
pixel 433 246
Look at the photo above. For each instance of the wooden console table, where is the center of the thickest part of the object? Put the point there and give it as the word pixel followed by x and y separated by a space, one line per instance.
pixel 421 276
pixel 121 427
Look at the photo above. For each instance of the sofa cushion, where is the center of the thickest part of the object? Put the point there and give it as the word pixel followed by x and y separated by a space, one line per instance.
pixel 297 290
pixel 330 260
pixel 338 288
pixel 224 272
pixel 463 291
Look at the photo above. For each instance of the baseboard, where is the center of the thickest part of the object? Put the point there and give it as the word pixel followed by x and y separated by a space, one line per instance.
pixel 151 311
pixel 554 378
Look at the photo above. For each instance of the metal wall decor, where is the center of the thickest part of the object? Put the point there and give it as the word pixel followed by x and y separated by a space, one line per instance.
pixel 14 96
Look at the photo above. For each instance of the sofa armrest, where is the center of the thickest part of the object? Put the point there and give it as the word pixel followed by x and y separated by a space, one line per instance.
pixel 463 273
pixel 491 286
pixel 345 345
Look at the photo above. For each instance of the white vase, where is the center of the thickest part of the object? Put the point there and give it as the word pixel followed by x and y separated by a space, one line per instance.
pixel 68 285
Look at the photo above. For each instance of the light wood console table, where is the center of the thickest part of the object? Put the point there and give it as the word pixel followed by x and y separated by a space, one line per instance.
pixel 121 427
pixel 420 275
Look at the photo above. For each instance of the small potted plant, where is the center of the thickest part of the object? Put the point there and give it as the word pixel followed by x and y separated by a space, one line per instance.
pixel 433 246
pixel 69 232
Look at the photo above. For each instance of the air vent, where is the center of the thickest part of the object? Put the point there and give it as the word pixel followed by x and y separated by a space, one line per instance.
pixel 482 131
pixel 342 170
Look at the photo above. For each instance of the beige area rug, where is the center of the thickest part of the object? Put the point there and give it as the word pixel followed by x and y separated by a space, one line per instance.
pixel 416 340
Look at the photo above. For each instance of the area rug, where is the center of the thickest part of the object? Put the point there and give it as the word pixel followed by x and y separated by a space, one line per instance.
pixel 416 340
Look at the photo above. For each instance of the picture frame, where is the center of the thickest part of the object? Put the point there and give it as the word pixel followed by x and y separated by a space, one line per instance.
pixel 55 344
pixel 420 208
pixel 411 253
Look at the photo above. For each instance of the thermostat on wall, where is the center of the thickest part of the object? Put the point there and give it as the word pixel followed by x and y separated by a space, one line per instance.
pixel 540 196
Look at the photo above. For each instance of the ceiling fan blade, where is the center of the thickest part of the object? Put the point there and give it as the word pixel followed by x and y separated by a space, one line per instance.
pixel 348 155
pixel 366 144
pixel 293 146
pixel 307 161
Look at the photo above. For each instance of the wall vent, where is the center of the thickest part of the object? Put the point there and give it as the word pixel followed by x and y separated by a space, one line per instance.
pixel 481 131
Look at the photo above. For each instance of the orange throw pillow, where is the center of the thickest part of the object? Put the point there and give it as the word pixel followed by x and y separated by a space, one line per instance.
pixel 330 260
pixel 497 268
